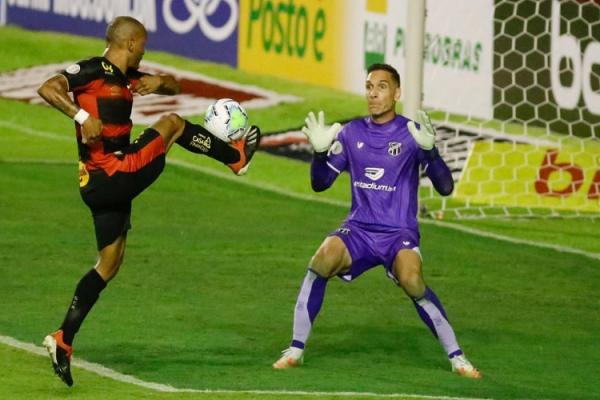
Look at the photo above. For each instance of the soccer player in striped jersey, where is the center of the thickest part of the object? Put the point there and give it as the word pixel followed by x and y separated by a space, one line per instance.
pixel 113 171
pixel 382 153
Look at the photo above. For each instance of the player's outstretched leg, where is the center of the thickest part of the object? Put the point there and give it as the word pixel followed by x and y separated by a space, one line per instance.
pixel 246 146
pixel 60 355
pixel 432 313
pixel 236 155
pixel 308 305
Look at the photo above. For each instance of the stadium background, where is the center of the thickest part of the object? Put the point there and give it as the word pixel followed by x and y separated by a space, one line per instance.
pixel 298 56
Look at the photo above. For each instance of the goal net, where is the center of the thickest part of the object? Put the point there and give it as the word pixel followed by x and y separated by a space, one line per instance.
pixel 538 154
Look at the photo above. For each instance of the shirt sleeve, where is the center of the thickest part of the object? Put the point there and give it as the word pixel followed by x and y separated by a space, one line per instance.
pixel 325 168
pixel 337 156
pixel 81 74
pixel 437 171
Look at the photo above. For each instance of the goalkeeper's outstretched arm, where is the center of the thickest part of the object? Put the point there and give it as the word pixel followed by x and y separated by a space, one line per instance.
pixel 321 175
pixel 320 137
pixel 435 167
pixel 437 171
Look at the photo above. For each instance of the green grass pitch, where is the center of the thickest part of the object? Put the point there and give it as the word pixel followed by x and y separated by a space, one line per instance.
pixel 206 294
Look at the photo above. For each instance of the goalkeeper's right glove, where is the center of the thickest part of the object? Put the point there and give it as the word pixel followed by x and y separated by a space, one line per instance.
pixel 425 135
pixel 319 135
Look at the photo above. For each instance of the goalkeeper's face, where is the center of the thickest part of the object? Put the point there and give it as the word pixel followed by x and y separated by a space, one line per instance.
pixel 382 94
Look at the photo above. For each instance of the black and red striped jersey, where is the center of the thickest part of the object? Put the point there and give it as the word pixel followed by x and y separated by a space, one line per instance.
pixel 101 89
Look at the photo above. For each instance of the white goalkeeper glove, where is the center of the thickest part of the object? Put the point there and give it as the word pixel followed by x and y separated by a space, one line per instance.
pixel 319 135
pixel 424 136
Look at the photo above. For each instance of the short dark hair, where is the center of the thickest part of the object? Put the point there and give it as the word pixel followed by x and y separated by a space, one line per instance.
pixel 385 67
pixel 123 27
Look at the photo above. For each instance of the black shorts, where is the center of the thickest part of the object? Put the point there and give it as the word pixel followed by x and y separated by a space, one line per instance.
pixel 109 197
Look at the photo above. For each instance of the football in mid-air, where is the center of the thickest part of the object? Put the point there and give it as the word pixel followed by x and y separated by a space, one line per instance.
pixel 226 119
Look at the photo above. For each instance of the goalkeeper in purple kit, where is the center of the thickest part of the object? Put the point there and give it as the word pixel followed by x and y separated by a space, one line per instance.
pixel 382 153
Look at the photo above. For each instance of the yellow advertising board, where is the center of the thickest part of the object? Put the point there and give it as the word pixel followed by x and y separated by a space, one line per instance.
pixel 298 40
pixel 524 175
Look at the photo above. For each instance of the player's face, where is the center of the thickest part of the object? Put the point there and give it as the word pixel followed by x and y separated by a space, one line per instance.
pixel 382 94
pixel 138 48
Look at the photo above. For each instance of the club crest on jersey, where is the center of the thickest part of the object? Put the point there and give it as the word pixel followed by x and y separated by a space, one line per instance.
pixel 394 148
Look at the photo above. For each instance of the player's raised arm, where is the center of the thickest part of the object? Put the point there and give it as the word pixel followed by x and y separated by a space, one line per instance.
pixel 435 167
pixel 56 93
pixel 159 84
pixel 320 137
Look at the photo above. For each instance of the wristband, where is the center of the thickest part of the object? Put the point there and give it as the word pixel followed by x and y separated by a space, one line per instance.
pixel 81 116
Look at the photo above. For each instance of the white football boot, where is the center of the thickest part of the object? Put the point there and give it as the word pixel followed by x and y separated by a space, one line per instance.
pixel 463 367
pixel 290 358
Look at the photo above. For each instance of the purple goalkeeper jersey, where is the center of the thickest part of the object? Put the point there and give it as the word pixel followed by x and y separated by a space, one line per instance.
pixel 383 162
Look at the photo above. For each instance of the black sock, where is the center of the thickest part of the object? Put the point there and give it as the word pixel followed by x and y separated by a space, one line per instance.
pixel 87 292
pixel 197 139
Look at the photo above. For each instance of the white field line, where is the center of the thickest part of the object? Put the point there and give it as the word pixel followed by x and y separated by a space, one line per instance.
pixel 272 188
pixel 117 376
pixel 504 238
pixel 36 132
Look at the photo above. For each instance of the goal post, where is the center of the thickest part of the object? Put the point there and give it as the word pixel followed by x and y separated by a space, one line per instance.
pixel 413 79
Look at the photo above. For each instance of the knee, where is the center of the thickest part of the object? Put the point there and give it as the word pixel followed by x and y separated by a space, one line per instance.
pixel 172 119
pixel 325 263
pixel 108 267
pixel 412 283
pixel 408 279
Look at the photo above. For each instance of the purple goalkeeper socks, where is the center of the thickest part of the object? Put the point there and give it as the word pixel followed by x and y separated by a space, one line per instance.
pixel 308 305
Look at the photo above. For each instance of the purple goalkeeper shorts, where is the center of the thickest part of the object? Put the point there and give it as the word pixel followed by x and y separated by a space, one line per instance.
pixel 373 245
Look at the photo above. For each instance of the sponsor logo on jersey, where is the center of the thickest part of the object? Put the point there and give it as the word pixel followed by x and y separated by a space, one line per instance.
pixel 201 142
pixel 373 173
pixel 394 148
pixel 374 186
pixel 115 91
pixel 343 230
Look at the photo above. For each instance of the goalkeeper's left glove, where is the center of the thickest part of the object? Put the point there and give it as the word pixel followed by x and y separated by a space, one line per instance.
pixel 319 135
pixel 425 135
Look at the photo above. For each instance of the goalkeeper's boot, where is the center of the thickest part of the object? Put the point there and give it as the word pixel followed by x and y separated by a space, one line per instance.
pixel 246 146
pixel 290 358
pixel 60 355
pixel 463 367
